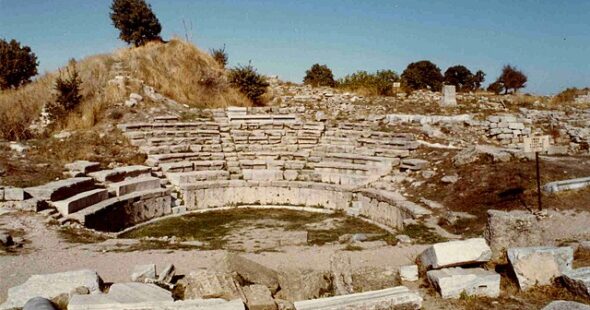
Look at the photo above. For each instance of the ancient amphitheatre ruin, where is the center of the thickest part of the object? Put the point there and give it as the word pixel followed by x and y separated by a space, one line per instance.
pixel 320 197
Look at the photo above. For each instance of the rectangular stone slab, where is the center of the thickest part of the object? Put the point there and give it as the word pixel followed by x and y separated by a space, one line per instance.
pixel 456 253
pixel 81 201
pixel 452 282
pixel 389 298
pixel 62 189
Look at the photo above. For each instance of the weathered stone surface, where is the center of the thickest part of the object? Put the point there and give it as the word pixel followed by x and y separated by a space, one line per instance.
pixel 120 295
pixel 341 269
pixel 210 284
pixel 143 272
pixel 82 166
pixel 51 285
pixel 451 282
pixel 565 185
pixel 566 305
pixel 409 273
pixel 303 284
pixel 39 303
pixel 167 274
pixel 539 265
pixel 510 230
pixel 14 194
pixel 391 298
pixel 449 97
pixel 578 280
pixel 62 189
pixel 6 239
pixel 284 304
pixel 252 272
pixel 135 185
pixel 258 297
pixel 81 201
pixel 456 253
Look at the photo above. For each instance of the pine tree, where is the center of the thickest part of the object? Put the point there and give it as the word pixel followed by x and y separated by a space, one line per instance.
pixel 17 64
pixel 136 21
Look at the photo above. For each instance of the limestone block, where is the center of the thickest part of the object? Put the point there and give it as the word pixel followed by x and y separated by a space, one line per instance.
pixel 390 298
pixel 413 164
pixel 134 185
pixel 252 271
pixel 578 280
pixel 143 272
pixel 456 253
pixel 539 265
pixel 511 229
pixel 449 97
pixel 566 305
pixel 14 194
pixel 341 269
pixel 83 166
pixel 62 189
pixel 262 174
pixel 39 303
pixel 124 296
pixel 210 284
pixel 81 201
pixel 258 297
pixel 409 273
pixel 167 274
pixel 50 286
pixel 303 284
pixel 452 282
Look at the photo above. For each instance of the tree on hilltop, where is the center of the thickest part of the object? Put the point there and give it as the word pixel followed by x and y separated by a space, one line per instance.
pixel 459 76
pixel 319 75
pixel 512 78
pixel 422 75
pixel 478 78
pixel 136 21
pixel 17 64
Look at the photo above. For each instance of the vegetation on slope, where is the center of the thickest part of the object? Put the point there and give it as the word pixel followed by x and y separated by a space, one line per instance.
pixel 176 69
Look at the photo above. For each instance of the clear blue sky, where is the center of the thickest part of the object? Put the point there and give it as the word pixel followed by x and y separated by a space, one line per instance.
pixel 549 39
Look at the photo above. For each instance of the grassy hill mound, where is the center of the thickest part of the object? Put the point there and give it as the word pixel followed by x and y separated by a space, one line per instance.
pixel 176 69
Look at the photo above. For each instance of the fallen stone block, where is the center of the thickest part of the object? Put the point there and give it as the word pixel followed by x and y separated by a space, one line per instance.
pixel 452 282
pixel 566 305
pixel 409 273
pixel 455 253
pixel 210 284
pixel 50 286
pixel 539 265
pixel 341 269
pixel 392 298
pixel 566 185
pixel 143 272
pixel 513 229
pixel 252 272
pixel 413 164
pixel 167 274
pixel 258 297
pixel 299 284
pixel 120 295
pixel 578 281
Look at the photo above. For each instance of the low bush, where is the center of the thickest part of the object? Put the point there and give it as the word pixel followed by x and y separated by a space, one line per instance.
pixel 220 56
pixel 319 75
pixel 68 92
pixel 379 83
pixel 569 95
pixel 249 82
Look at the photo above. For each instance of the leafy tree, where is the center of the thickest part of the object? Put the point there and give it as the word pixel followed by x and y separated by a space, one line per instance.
pixel 512 78
pixel 422 75
pixel 219 55
pixel 249 82
pixel 478 78
pixel 136 21
pixel 379 83
pixel 459 76
pixel 68 91
pixel 17 64
pixel 496 87
pixel 319 75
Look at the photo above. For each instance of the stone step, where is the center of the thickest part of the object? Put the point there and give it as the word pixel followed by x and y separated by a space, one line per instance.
pixel 196 176
pixel 391 298
pixel 134 185
pixel 121 173
pixel 62 189
pixel 81 201
pixel 185 166
pixel 158 159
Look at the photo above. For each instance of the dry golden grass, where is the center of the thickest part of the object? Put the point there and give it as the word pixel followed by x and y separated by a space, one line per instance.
pixel 177 69
pixel 182 72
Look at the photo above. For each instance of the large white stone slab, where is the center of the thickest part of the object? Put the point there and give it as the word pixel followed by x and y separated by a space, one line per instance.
pixel 390 298
pixel 456 253
pixel 539 265
pixel 452 282
pixel 192 304
pixel 578 280
pixel 50 286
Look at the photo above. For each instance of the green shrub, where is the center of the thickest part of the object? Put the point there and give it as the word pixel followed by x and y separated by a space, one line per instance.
pixel 68 94
pixel 422 75
pixel 249 82
pixel 569 95
pixel 512 78
pixel 319 75
pixel 496 87
pixel 219 55
pixel 17 64
pixel 136 21
pixel 378 83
